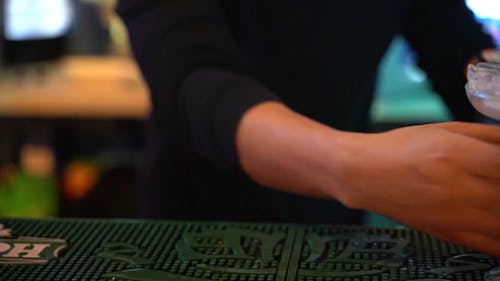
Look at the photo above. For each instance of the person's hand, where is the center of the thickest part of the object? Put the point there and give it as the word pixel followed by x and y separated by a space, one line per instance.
pixel 443 179
pixel 491 55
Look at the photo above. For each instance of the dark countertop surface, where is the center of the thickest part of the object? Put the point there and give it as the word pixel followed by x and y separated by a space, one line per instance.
pixel 136 250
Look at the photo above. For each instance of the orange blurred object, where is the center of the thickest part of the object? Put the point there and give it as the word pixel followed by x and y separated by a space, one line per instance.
pixel 79 179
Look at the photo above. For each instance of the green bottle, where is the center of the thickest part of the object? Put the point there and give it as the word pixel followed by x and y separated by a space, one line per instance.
pixel 31 191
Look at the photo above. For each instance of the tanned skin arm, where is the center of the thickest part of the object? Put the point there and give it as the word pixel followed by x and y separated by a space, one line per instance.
pixel 443 178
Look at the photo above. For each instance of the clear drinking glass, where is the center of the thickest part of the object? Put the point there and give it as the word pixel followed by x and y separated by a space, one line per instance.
pixel 483 88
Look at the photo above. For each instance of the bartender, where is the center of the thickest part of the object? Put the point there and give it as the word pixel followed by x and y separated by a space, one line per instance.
pixel 260 109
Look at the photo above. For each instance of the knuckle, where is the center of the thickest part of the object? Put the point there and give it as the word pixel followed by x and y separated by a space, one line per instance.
pixel 444 155
pixel 435 164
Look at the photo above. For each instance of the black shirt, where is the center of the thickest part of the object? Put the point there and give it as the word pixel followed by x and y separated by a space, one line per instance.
pixel 207 61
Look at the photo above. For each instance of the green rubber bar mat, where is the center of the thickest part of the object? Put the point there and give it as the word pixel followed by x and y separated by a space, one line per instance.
pixel 124 250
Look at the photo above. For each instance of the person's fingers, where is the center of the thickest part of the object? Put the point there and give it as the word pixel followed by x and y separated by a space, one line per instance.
pixel 491 55
pixel 488 133
pixel 478 152
pixel 483 238
pixel 483 221
pixel 480 191
pixel 482 159
pixel 488 244
pixel 465 220
pixel 451 218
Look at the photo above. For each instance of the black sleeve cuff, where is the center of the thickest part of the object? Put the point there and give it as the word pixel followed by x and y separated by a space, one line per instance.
pixel 213 101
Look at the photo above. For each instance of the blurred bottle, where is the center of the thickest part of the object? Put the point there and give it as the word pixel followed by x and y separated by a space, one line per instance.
pixel 97 29
pixel 31 190
pixel 79 178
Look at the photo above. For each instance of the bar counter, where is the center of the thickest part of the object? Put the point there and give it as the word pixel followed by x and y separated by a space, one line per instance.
pixel 139 250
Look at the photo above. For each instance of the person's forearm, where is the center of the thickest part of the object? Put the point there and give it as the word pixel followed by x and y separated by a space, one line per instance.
pixel 282 149
pixel 417 175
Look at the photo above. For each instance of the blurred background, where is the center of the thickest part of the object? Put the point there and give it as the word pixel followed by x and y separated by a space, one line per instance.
pixel 73 106
pixel 72 110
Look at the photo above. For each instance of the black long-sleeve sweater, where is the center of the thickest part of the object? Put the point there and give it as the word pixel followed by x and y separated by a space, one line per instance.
pixel 207 61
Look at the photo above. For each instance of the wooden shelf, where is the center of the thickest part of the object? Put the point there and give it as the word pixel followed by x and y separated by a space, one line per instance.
pixel 84 87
